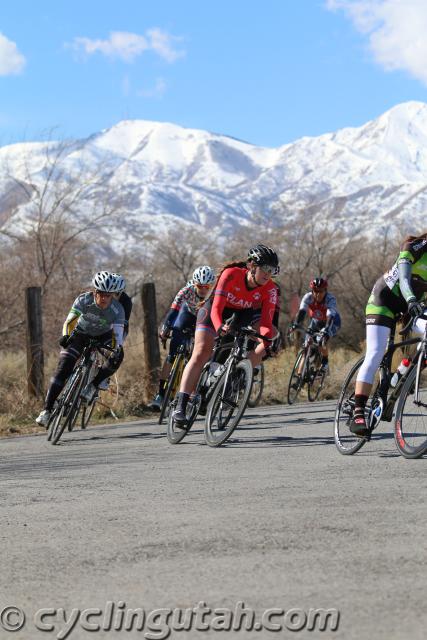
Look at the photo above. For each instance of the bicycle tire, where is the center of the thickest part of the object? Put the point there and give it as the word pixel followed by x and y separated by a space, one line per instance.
pixel 66 410
pixel 78 403
pixel 410 425
pixel 172 385
pixel 346 442
pixel 219 427
pixel 293 393
pixel 173 433
pixel 87 413
pixel 51 419
pixel 316 378
pixel 258 382
pixel 58 425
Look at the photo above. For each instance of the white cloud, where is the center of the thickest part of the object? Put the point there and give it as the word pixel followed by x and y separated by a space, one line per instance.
pixel 127 46
pixel 11 60
pixel 396 30
pixel 162 44
pixel 155 92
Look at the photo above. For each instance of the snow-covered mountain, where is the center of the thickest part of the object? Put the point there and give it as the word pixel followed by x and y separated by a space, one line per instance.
pixel 163 174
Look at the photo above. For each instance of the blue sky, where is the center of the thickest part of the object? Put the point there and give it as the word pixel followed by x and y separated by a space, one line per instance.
pixel 266 71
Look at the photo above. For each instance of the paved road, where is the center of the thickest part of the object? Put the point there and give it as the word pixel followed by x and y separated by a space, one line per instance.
pixel 276 519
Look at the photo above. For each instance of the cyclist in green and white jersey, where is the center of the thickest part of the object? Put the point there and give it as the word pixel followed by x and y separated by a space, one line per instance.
pixel 399 290
pixel 95 314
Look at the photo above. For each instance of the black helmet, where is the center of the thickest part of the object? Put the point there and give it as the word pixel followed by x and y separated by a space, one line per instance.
pixel 262 255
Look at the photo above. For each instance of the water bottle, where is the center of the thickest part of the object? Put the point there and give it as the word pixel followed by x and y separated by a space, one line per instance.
pixel 400 371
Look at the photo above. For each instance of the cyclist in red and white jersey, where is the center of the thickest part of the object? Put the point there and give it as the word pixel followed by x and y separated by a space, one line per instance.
pixel 244 288
pixel 321 307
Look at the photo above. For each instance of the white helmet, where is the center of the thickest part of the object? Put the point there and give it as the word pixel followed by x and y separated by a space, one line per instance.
pixel 104 281
pixel 120 283
pixel 203 275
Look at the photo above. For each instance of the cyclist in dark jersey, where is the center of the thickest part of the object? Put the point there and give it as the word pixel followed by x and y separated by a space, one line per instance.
pixel 244 288
pixel 399 290
pixel 95 314
pixel 182 315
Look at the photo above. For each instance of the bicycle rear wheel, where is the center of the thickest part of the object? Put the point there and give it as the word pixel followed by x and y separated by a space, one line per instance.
pixel 295 381
pixel 228 403
pixel 173 433
pixel 316 378
pixel 87 411
pixel 257 387
pixel 347 442
pixel 410 426
pixel 172 386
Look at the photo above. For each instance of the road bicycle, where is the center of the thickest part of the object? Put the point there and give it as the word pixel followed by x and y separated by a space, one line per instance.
pixel 67 405
pixel 197 403
pixel 178 365
pixel 309 363
pixel 222 391
pixel 232 390
pixel 410 393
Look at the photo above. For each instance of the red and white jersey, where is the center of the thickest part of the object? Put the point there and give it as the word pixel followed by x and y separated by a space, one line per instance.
pixel 319 310
pixel 232 292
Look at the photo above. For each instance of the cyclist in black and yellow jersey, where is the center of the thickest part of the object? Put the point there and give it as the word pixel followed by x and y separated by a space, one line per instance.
pixel 95 314
pixel 399 290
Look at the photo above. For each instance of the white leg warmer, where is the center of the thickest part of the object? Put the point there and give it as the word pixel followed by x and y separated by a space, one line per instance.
pixel 376 344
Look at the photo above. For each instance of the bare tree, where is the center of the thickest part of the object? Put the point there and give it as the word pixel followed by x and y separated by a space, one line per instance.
pixel 57 201
pixel 52 210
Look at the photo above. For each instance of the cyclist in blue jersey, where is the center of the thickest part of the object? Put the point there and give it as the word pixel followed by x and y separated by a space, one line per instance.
pixel 182 316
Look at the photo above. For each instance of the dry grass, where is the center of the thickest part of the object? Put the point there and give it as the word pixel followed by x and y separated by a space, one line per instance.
pixel 278 372
pixel 17 411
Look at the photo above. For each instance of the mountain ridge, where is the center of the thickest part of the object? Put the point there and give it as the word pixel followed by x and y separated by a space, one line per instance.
pixel 163 174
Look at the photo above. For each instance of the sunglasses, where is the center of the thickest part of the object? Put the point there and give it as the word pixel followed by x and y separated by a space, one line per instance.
pixel 268 269
pixel 103 294
pixel 203 286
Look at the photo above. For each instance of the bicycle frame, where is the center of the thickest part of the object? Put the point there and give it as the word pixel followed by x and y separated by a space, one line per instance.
pixel 309 346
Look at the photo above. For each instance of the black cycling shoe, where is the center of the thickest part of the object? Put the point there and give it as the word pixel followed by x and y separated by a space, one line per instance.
pixel 359 427
pixel 179 418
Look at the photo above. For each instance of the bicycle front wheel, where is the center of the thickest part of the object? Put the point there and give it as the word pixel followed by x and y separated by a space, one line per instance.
pixel 410 426
pixel 228 403
pixel 57 424
pixel 257 387
pixel 316 378
pixel 295 381
pixel 347 442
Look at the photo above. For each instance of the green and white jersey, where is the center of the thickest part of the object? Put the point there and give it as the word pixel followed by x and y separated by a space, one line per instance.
pixel 93 320
pixel 413 252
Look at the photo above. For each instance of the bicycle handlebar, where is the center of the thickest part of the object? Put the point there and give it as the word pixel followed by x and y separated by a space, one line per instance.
pixel 301 329
pixel 412 321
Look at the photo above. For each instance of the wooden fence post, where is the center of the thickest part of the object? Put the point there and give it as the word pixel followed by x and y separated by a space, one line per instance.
pixel 35 359
pixel 151 339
